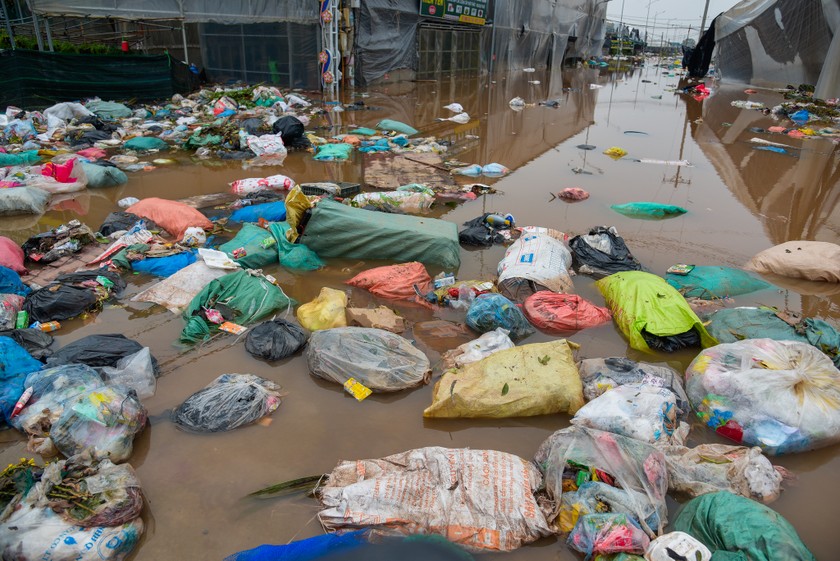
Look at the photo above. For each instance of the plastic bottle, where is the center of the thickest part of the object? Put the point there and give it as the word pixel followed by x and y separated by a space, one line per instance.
pixel 498 221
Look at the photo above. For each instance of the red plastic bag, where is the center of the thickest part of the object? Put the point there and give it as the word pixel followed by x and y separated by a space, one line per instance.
pixel 394 281
pixel 551 311
pixel 60 172
pixel 11 255
pixel 172 216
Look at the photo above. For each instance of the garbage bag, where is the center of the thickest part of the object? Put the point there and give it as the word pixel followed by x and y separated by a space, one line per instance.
pixel 608 533
pixel 477 349
pixel 651 313
pixel 463 508
pixel 11 257
pixel 478 233
pixel 10 282
pixel 537 379
pixel 10 305
pixel 406 201
pixel 551 311
pixel 599 375
pixel 23 158
pixel 101 422
pixel 259 246
pixel 52 245
pixel 297 205
pixel 135 371
pixel 816 261
pixel 613 473
pixel 291 130
pixel 293 255
pixel 648 210
pixel 333 152
pixel 71 295
pixel 173 216
pixel 228 402
pixel 709 468
pixel 736 324
pixel 67 111
pixel 324 312
pixel 248 297
pixel 724 522
pixel 122 221
pixel 15 364
pixel 489 311
pixel 36 342
pixel 394 281
pixel 665 547
pixel 380 360
pixel 145 144
pixel 252 185
pixel 783 396
pixel 103 176
pixel 602 252
pixel 165 266
pixel 396 126
pixel 108 110
pixel 97 350
pixel 176 292
pixel 537 261
pixel 336 230
pixel 715 282
pixel 275 339
pixel 642 411
pixel 273 212
pixel 23 200
pixel 311 549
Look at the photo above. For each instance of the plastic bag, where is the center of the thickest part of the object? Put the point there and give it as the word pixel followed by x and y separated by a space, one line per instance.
pixel 494 170
pixel 121 222
pixel 563 312
pixel 176 292
pixel 816 261
pixel 108 110
pixel 15 364
pixel 324 312
pixel 394 281
pixel 10 305
pixel 136 372
pixel 334 152
pixel 396 126
pixel 173 216
pixel 608 533
pixel 228 402
pixel 724 522
pixel 145 144
pixel 310 549
pixel 464 508
pixel 478 233
pixel 538 379
pixel 489 311
pixel 473 170
pixel 194 236
pixel 602 252
pixel 615 152
pixel 641 411
pixel 715 282
pixel 103 176
pixel 535 258
pixel 23 200
pixel 293 255
pixel 380 360
pixel 783 396
pixel 273 212
pixel 651 313
pixel 291 130
pixel 601 374
pixel 244 187
pixel 72 294
pixel 648 210
pixel 10 282
pixel 275 339
pixel 478 349
pixel 98 350
pixel 165 266
pixel 632 473
pixel 681 544
pixel 405 201
pixel 11 255
pixel 259 245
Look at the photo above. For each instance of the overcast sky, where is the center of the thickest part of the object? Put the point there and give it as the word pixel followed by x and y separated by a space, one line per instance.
pixel 677 13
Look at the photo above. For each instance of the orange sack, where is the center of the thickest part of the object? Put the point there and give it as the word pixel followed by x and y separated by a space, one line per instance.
pixel 394 281
pixel 551 311
pixel 172 216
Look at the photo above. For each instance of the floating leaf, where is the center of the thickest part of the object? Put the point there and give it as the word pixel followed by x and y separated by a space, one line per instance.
pixel 544 360
pixel 505 389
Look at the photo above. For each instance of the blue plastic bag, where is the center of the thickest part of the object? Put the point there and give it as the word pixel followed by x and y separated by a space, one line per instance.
pixel 15 364
pixel 333 152
pixel 273 212
pixel 491 311
pixel 164 266
pixel 303 550
pixel 10 283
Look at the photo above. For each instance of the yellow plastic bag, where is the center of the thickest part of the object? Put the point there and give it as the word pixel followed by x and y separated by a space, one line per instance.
pixel 296 204
pixel 615 152
pixel 538 379
pixel 324 312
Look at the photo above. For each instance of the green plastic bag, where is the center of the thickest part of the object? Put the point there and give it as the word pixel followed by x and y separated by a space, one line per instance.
pixel 715 282
pixel 642 302
pixel 25 158
pixel 363 131
pixel 293 256
pixel 258 251
pixel 333 152
pixel 648 210
pixel 396 126
pixel 109 110
pixel 336 230
pixel 249 297
pixel 103 176
pixel 197 140
pixel 725 522
pixel 145 143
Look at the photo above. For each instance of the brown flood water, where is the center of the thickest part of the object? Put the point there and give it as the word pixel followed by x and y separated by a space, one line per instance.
pixel 740 201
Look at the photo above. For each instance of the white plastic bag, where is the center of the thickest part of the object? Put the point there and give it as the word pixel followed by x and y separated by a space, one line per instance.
pixel 538 258
pixel 679 543
pixel 406 201
pixel 243 187
pixel 454 107
pixel 176 292
pixel 134 371
pixel 478 349
pixel 265 145
pixel 194 236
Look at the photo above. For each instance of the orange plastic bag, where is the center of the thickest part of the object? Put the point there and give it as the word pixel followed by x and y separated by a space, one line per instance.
pixel 172 216
pixel 394 281
pixel 551 311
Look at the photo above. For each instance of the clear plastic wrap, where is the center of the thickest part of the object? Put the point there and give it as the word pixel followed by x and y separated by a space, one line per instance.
pixel 608 533
pixel 478 349
pixel 228 402
pixel 136 372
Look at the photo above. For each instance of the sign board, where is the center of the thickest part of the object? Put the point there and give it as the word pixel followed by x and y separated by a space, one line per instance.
pixel 463 11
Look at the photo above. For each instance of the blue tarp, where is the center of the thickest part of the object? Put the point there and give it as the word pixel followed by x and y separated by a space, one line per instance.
pixel 273 212
pixel 10 283
pixel 164 266
pixel 15 364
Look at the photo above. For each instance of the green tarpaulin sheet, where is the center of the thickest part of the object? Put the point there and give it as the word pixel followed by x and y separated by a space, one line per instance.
pixel 336 230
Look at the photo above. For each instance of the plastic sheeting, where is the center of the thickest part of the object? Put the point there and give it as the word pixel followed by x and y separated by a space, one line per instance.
pixel 386 37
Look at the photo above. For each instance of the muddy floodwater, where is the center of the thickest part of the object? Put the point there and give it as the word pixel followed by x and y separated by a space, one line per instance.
pixel 740 201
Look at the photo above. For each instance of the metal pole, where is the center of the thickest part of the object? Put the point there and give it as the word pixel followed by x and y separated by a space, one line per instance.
pixel 8 24
pixel 647 17
pixel 49 34
pixel 621 33
pixel 703 25
pixel 37 30
pixel 184 40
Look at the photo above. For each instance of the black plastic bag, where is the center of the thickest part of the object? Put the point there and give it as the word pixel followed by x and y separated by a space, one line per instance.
pixel 230 401
pixel 275 339
pixel 672 343
pixel 97 350
pixel 479 233
pixel 254 126
pixel 291 131
pixel 57 302
pixel 89 137
pixel 117 221
pixel 36 342
pixel 590 260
